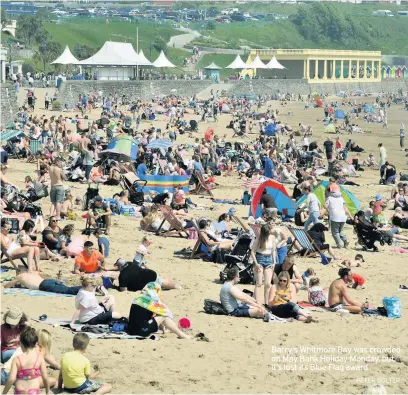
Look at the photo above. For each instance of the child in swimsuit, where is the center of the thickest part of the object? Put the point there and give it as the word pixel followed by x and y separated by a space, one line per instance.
pixel 28 368
pixel 317 297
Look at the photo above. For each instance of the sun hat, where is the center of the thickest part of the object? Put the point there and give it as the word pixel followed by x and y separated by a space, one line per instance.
pixel 378 197
pixel 13 316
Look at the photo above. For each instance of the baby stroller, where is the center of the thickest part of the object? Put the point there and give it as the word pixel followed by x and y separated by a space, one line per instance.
pixel 131 183
pixel 368 234
pixel 91 193
pixel 239 257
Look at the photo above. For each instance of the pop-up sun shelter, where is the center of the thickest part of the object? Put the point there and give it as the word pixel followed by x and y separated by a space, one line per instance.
pixel 351 201
pixel 122 148
pixel 283 202
pixel 339 114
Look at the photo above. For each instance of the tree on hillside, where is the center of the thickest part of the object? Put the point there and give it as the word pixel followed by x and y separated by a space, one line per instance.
pixel 30 29
pixel 160 44
pixel 211 25
pixel 4 18
pixel 48 51
pixel 83 51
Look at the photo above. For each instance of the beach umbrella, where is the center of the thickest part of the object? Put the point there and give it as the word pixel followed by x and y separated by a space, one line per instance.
pixel 10 134
pixel 122 148
pixel 160 144
pixel 270 130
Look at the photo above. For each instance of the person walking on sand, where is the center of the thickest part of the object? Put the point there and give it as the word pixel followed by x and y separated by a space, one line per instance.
pixel 57 193
pixel 383 155
pixel 402 135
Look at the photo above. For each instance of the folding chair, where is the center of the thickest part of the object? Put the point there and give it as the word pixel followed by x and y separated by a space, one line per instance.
pixel 239 222
pixel 305 241
pixel 9 259
pixel 256 228
pixel 201 187
pixel 200 241
pixel 175 224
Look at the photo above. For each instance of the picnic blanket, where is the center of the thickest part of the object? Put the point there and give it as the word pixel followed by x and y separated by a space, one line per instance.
pixel 30 292
pixel 226 201
pixel 64 323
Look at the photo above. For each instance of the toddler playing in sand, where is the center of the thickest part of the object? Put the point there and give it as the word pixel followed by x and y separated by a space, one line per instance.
pixel 316 295
pixel 141 252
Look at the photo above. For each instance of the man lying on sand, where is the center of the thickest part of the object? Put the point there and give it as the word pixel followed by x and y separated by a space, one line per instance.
pixel 33 281
pixel 338 294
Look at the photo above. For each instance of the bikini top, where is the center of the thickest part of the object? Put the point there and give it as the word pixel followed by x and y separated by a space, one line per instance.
pixel 28 374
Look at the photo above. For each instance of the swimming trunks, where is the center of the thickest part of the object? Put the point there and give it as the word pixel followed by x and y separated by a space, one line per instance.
pixel 336 307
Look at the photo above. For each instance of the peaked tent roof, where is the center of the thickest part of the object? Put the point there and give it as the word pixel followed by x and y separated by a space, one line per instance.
pixel 351 201
pixel 238 63
pixel 66 57
pixel 113 54
pixel 257 63
pixel 162 61
pixel 274 64
pixel 213 66
pixel 122 147
pixel 283 202
pixel 143 61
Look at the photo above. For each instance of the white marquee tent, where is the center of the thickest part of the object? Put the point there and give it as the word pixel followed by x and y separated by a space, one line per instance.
pixel 115 61
pixel 274 64
pixel 162 61
pixel 66 58
pixel 238 63
pixel 257 63
pixel 143 61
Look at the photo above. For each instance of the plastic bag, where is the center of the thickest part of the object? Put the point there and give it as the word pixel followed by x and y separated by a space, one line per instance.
pixel 393 307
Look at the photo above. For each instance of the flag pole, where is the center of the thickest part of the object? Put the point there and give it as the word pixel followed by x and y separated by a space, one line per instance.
pixel 137 50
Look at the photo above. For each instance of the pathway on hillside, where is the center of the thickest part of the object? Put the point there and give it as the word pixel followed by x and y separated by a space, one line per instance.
pixel 181 40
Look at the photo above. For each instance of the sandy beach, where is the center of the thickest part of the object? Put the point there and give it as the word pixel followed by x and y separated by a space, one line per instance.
pixel 340 354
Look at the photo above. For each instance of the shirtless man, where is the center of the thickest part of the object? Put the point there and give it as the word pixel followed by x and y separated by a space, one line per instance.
pixel 338 294
pixel 57 193
pixel 33 281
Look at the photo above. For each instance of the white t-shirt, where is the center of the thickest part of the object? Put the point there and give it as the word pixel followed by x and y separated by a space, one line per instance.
pixel 313 203
pixel 140 255
pixel 336 209
pixel 87 300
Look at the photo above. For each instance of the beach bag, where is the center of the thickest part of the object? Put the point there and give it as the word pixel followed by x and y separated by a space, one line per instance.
pixel 127 211
pixel 393 307
pixel 213 307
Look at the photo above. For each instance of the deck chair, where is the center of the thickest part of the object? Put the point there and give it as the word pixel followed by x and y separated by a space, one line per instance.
pixel 305 241
pixel 9 259
pixel 239 222
pixel 201 187
pixel 175 224
pixel 256 228
pixel 200 241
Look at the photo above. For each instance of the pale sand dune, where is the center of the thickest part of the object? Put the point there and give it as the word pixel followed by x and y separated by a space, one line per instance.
pixel 238 357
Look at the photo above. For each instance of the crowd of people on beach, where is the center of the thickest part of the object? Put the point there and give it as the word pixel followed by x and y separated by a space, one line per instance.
pixel 74 149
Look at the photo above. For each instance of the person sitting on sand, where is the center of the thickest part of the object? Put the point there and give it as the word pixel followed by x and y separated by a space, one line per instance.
pixel 28 368
pixel 339 299
pixel 148 314
pixel 50 234
pixel 399 220
pixel 289 266
pixel 236 302
pixel 67 205
pixel 89 260
pixel 65 239
pixel 100 210
pixel 34 281
pixel 76 370
pixel 89 310
pixel 134 278
pixel 317 235
pixel 316 295
pixel 282 300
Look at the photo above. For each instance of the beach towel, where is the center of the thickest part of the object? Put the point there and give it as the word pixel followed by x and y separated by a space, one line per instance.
pixel 150 300
pixel 226 201
pixel 64 323
pixel 30 292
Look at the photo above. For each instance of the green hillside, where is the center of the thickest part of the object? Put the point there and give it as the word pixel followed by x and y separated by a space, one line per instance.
pixel 221 60
pixel 94 34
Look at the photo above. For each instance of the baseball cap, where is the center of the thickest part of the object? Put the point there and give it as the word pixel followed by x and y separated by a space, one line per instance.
pixel 120 263
pixel 13 316
pixel 378 197
pixel 98 198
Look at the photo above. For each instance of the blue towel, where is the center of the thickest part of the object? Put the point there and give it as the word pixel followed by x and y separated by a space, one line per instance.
pixel 15 291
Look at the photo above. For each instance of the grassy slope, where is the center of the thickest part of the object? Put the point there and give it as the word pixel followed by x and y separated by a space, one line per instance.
pixel 94 34
pixel 221 60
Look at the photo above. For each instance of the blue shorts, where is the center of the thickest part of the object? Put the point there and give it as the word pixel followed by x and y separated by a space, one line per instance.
pixel 241 311
pixel 86 388
pixel 266 261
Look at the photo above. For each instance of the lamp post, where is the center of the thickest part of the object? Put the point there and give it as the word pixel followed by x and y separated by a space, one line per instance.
pixel 44 51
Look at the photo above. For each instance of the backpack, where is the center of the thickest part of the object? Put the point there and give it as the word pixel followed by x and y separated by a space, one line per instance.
pixel 212 307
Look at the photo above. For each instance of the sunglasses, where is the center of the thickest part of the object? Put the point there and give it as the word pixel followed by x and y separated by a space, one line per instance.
pixel 283 281
pixel 55 220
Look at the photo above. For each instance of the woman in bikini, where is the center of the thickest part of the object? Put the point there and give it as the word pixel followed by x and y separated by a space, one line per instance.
pixel 264 257
pixel 28 368
pixel 15 250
